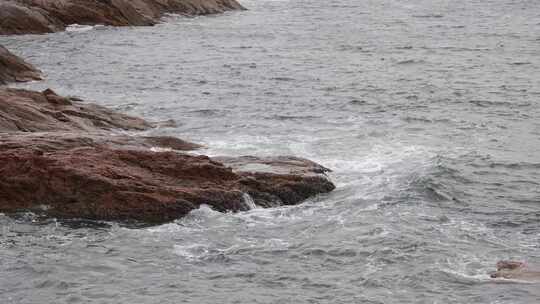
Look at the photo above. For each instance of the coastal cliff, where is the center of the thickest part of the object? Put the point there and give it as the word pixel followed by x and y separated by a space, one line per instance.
pixel 46 16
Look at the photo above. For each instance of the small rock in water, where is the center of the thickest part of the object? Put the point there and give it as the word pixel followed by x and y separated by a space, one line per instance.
pixel 516 270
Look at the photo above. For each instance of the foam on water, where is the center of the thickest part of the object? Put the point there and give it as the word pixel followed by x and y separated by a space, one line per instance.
pixel 248 200
pixel 80 28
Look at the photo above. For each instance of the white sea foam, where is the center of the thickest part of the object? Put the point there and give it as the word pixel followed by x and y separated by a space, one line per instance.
pixel 79 28
pixel 192 251
pixel 472 278
pixel 483 278
pixel 248 200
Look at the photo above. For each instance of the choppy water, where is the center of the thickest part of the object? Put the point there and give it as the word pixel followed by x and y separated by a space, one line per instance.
pixel 428 112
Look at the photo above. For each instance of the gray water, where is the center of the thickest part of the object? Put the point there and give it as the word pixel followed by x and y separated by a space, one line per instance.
pixel 426 110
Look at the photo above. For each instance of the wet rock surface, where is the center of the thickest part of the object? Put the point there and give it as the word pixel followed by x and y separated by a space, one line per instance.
pixel 63 157
pixel 289 180
pixel 45 16
pixel 116 184
pixel 516 270
pixel 14 69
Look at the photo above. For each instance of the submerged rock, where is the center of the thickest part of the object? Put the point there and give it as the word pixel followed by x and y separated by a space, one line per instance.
pixel 45 16
pixel 14 69
pixel 517 271
pixel 62 157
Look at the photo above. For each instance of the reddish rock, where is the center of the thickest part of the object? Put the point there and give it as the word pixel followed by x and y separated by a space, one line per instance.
pixel 62 158
pixel 17 18
pixel 169 142
pixel 108 184
pixel 54 141
pixel 45 16
pixel 14 69
pixel 290 180
pixel 105 183
pixel 29 111
pixel 516 270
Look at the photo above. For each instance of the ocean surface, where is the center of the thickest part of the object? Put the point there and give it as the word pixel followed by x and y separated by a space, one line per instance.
pixel 428 112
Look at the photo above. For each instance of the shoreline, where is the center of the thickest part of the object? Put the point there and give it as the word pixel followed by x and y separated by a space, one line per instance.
pixel 40 17
pixel 95 172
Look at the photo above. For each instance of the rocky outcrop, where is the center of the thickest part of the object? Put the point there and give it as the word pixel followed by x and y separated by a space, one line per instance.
pixel 14 69
pixel 61 157
pixel 517 271
pixel 45 16
pixel 117 184
pixel 29 111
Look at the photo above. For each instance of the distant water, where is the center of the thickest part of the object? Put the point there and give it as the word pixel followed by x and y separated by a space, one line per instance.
pixel 427 110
